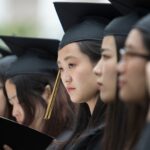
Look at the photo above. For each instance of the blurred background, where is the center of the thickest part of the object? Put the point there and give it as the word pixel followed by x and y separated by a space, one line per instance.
pixel 32 18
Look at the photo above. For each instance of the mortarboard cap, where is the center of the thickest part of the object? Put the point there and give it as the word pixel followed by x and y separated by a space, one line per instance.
pixel 144 24
pixel 127 6
pixel 122 25
pixel 35 55
pixel 83 21
pixel 6 59
pixel 4 52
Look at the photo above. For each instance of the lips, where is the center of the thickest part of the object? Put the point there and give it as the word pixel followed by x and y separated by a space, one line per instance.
pixel 99 85
pixel 121 83
pixel 70 89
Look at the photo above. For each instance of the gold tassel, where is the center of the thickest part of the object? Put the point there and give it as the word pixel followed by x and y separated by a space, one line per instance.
pixel 52 98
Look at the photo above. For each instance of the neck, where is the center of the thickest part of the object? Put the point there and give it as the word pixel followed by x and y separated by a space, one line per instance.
pixel 91 103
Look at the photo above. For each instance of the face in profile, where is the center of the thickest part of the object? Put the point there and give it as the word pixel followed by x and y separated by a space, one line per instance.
pixel 105 70
pixel 76 73
pixel 132 80
pixel 148 76
pixel 3 106
pixel 17 110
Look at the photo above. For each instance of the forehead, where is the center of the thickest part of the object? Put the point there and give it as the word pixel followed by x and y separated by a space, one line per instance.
pixel 109 43
pixel 10 87
pixel 70 50
pixel 134 40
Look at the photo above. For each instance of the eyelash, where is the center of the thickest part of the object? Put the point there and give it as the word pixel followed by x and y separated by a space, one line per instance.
pixel 71 65
pixel 104 56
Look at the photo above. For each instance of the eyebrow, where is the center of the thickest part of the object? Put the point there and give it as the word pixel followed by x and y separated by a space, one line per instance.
pixel 66 58
pixel 104 49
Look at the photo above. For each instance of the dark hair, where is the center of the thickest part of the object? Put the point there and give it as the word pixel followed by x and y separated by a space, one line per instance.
pixel 85 121
pixel 136 120
pixel 29 92
pixel 91 49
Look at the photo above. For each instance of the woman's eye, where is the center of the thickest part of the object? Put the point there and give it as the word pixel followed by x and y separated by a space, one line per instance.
pixel 71 66
pixel 105 56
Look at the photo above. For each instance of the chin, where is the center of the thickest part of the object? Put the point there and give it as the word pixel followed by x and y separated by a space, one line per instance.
pixel 124 96
pixel 74 100
pixel 105 99
pixel 77 100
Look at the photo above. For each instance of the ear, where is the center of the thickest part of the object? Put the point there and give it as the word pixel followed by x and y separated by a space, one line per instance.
pixel 47 93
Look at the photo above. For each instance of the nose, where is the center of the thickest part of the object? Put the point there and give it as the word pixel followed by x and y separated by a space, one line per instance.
pixel 97 69
pixel 121 66
pixel 66 77
pixel 14 112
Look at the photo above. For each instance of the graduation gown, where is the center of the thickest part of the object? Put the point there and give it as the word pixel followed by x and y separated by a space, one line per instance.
pixel 91 140
pixel 144 141
pixel 91 137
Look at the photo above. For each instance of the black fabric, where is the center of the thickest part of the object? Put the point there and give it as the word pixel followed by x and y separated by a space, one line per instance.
pixel 144 24
pixel 93 131
pixel 35 55
pixel 83 21
pixel 144 142
pixel 91 140
pixel 20 137
pixel 4 52
pixel 90 29
pixel 127 6
pixel 73 13
pixel 122 25
pixel 7 61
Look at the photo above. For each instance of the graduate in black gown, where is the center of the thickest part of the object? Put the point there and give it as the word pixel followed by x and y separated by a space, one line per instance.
pixel 132 78
pixel 78 53
pixel 115 35
pixel 30 82
pixel 142 31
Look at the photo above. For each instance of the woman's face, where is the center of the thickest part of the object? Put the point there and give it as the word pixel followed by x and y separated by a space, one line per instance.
pixel 17 110
pixel 76 73
pixel 132 79
pixel 105 70
pixel 3 106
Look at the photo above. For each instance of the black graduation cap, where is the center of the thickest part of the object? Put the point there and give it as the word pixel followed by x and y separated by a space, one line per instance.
pixel 4 52
pixel 72 13
pixel 144 24
pixel 6 59
pixel 83 21
pixel 122 25
pixel 127 6
pixel 35 55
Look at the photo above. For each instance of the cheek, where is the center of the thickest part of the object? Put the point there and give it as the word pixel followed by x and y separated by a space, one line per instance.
pixel 110 71
pixel 82 74
pixel 136 70
pixel 3 102
pixel 136 80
